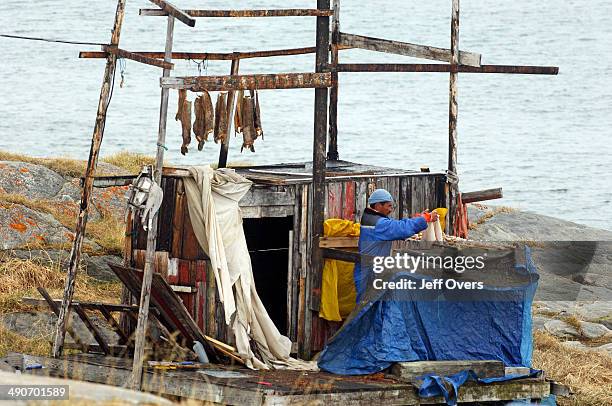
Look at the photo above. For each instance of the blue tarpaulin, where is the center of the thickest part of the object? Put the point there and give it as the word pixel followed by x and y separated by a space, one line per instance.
pixel 390 326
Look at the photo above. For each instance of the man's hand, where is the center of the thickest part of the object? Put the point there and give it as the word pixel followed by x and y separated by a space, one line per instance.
pixel 430 217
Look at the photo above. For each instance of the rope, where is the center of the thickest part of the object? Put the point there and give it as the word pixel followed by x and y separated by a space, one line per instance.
pixel 51 40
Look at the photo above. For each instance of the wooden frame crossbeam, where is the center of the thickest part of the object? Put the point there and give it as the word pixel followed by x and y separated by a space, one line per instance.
pixel 168 8
pixel 407 49
pixel 249 82
pixel 445 68
pixel 213 56
pixel 290 12
pixel 122 53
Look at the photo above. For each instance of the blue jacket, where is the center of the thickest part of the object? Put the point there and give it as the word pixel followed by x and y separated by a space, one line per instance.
pixel 377 232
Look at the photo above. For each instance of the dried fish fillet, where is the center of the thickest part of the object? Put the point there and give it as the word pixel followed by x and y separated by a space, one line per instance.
pixel 248 123
pixel 204 119
pixel 238 113
pixel 221 118
pixel 186 126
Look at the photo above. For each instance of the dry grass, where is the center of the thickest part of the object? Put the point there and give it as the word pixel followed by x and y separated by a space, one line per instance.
pixel 491 213
pixel 64 166
pixel 13 342
pixel 21 277
pixel 587 373
pixel 129 161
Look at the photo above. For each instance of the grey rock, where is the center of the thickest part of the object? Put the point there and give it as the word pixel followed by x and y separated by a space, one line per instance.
pixel 97 267
pixel 594 330
pixel 561 329
pixel 606 347
pixel 538 323
pixel 20 225
pixel 576 345
pixel 29 180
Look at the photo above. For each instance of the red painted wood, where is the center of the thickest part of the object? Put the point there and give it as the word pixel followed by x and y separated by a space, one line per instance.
pixel 348 204
pixel 334 200
pixel 183 273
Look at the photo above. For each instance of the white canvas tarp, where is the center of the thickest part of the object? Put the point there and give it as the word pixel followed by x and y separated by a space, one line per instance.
pixel 212 197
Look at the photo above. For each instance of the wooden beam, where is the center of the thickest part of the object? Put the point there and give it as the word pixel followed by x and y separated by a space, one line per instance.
pixel 481 195
pixel 249 82
pixel 446 68
pixel 98 133
pixel 341 255
pixel 230 117
pixel 122 53
pixel 453 109
pixel 339 242
pixel 407 49
pixel 412 370
pixel 290 12
pixel 332 151
pixel 170 9
pixel 123 338
pixel 92 329
pixel 319 150
pixel 215 56
pixel 145 293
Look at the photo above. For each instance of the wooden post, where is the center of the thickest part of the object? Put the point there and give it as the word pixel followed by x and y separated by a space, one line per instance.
pixel 332 152
pixel 318 170
pixel 96 141
pixel 230 114
pixel 452 116
pixel 145 293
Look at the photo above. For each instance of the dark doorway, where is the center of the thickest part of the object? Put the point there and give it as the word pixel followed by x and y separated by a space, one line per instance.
pixel 268 243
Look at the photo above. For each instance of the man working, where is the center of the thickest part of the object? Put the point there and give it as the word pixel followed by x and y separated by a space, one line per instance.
pixel 378 231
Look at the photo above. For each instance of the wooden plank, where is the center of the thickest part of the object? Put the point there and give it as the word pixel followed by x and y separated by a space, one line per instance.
pixel 122 53
pixel 445 68
pixel 405 200
pixel 170 9
pixel 348 200
pixel 361 192
pixel 481 195
pixel 178 220
pixel 453 110
pixel 289 12
pixel 230 118
pixel 412 370
pixel 35 302
pixel 303 250
pixel 211 303
pixel 407 49
pixel 334 200
pixel 342 255
pixel 393 187
pixel 339 242
pixel 92 161
pixel 145 293
pixel 317 80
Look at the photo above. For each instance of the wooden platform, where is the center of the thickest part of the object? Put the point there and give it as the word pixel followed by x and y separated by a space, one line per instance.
pixel 275 387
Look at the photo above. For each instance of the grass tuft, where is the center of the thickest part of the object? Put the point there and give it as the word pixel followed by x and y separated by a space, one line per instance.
pixel 132 162
pixel 587 373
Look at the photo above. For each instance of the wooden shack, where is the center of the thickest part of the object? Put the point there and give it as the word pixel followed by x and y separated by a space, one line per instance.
pixel 276 214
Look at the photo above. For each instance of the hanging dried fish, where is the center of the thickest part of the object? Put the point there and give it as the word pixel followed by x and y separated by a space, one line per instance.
pixel 248 124
pixel 186 126
pixel 257 117
pixel 181 102
pixel 204 119
pixel 221 119
pixel 238 114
